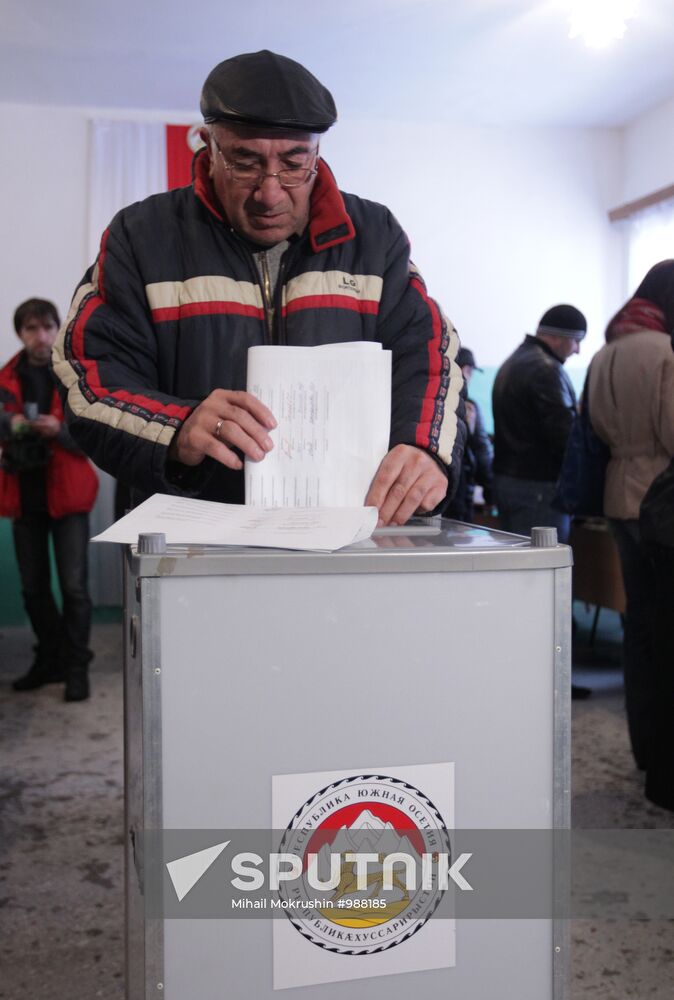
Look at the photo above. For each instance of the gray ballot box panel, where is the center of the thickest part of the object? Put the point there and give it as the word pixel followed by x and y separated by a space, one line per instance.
pixel 495 959
pixel 265 675
pixel 276 674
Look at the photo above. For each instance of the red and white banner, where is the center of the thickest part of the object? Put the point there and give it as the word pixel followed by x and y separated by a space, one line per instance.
pixel 130 160
pixel 182 141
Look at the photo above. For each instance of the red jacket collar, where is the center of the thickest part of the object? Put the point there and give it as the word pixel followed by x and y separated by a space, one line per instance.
pixel 9 368
pixel 329 221
pixel 10 381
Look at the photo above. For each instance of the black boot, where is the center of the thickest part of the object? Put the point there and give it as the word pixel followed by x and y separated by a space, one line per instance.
pixel 43 671
pixel 77 684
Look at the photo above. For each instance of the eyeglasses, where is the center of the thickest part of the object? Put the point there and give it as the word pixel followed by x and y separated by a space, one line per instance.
pixel 250 173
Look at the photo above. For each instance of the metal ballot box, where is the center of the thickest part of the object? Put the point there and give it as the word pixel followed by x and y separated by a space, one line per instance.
pixel 416 680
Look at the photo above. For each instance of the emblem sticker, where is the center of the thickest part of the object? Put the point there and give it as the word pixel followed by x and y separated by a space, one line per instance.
pixel 377 845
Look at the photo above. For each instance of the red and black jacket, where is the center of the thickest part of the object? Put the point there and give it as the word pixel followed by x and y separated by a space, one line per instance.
pixel 173 303
pixel 71 481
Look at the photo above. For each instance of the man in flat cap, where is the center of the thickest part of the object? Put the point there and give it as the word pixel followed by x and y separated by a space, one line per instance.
pixel 534 407
pixel 261 248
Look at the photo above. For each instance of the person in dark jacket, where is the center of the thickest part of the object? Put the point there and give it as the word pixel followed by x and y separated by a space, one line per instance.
pixel 478 454
pixel 262 248
pixel 656 527
pixel 534 407
pixel 47 487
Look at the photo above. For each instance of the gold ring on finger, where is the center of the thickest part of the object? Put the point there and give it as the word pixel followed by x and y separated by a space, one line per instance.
pixel 217 429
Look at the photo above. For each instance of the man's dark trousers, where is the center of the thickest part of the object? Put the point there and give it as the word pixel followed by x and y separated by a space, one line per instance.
pixel 62 638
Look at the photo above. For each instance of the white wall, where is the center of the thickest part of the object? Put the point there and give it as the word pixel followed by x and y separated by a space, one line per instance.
pixel 503 223
pixel 649 153
pixel 43 178
pixel 647 161
pixel 43 164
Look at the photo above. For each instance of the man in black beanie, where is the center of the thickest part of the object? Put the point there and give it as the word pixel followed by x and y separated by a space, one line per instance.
pixel 534 407
pixel 261 248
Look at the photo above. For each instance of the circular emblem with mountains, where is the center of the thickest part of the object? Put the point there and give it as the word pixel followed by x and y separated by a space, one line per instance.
pixel 373 817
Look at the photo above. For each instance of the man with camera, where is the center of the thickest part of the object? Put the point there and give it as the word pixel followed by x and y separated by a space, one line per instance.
pixel 47 487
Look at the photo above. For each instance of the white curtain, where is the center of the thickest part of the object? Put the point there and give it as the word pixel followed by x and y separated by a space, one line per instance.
pixel 127 162
pixel 650 239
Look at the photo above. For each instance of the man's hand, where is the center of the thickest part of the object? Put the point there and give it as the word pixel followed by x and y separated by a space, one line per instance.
pixel 46 425
pixel 408 480
pixel 17 421
pixel 226 417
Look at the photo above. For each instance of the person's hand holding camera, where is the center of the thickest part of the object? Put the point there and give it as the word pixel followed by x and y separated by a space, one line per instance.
pixel 46 425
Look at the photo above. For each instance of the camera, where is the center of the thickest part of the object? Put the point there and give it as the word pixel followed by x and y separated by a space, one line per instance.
pixel 24 450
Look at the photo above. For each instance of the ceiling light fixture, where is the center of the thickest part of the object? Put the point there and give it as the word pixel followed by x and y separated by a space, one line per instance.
pixel 600 22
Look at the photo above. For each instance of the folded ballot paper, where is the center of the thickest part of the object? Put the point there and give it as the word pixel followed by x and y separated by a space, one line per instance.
pixel 333 408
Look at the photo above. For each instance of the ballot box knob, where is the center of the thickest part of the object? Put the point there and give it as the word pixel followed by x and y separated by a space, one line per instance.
pixel 543 538
pixel 152 543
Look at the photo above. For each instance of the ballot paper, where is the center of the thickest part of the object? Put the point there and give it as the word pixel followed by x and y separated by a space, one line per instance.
pixel 205 522
pixel 333 408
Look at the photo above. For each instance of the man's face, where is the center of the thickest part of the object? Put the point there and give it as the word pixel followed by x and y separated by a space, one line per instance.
pixel 38 335
pixel 563 347
pixel 467 371
pixel 567 347
pixel 260 208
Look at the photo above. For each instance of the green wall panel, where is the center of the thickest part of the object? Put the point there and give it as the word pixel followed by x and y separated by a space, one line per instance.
pixel 11 605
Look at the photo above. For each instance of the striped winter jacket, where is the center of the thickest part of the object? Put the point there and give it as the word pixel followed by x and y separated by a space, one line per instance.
pixel 172 304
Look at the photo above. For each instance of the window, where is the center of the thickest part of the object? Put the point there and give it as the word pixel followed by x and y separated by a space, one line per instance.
pixel 650 239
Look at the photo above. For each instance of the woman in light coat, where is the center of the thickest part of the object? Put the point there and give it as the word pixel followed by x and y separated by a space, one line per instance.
pixel 631 406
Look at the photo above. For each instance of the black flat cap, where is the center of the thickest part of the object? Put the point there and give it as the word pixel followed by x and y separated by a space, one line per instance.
pixel 263 88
